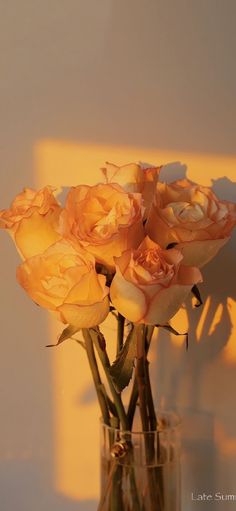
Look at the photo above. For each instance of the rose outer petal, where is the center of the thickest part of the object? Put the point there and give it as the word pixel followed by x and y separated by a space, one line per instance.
pixel 105 254
pixel 36 233
pixel 84 316
pixel 159 231
pixel 128 299
pixel 166 304
pixel 188 275
pixel 199 253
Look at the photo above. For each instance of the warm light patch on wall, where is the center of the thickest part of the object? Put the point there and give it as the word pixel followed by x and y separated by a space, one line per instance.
pixel 206 307
pixel 76 436
pixel 68 163
pixel 229 352
pixel 216 319
pixel 76 471
pixel 181 324
pixel 225 443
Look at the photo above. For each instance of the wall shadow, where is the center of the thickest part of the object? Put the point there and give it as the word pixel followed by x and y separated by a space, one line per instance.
pixel 200 382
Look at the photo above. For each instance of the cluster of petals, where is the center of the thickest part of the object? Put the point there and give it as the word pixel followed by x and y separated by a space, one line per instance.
pixel 151 284
pixel 32 221
pixel 104 219
pixel 193 217
pixel 118 234
pixel 65 281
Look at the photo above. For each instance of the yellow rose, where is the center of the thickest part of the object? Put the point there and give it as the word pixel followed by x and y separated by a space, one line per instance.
pixel 134 178
pixel 64 280
pixel 32 220
pixel 151 284
pixel 104 219
pixel 192 216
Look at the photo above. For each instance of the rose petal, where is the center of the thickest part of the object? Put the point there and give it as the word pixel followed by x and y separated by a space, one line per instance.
pixel 188 275
pixel 126 176
pixel 199 253
pixel 84 316
pixel 165 304
pixel 36 233
pixel 158 230
pixel 105 219
pixel 88 290
pixel 128 299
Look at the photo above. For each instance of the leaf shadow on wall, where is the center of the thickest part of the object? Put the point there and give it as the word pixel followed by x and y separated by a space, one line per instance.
pixel 200 382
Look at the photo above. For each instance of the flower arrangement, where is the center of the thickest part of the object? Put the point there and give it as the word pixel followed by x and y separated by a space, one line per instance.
pixel 131 246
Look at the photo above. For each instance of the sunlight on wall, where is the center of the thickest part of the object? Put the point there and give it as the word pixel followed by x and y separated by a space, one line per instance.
pixel 75 413
pixel 181 324
pixel 225 442
pixel 205 310
pixel 229 352
pixel 76 434
pixel 69 164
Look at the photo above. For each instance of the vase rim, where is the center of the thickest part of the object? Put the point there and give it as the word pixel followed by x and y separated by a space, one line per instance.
pixel 171 425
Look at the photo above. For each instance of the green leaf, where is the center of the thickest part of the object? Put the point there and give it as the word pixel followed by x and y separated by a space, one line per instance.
pixel 122 368
pixel 66 334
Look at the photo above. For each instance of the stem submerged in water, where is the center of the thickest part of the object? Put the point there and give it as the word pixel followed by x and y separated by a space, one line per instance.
pixel 94 333
pixel 148 419
pixel 142 391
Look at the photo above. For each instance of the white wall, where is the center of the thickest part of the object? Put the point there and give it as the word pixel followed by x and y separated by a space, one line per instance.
pixel 151 74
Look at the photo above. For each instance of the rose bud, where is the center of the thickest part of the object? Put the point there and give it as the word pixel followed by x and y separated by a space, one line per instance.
pixel 32 221
pixel 193 217
pixel 104 219
pixel 151 284
pixel 133 177
pixel 64 280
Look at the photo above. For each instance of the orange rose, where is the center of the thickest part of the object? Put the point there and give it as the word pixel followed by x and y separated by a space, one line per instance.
pixel 104 219
pixel 134 178
pixel 192 216
pixel 31 220
pixel 64 280
pixel 151 284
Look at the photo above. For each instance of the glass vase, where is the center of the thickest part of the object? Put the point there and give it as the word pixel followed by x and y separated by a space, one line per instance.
pixel 140 471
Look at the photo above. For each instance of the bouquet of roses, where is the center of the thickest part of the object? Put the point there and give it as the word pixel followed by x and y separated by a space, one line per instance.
pixel 130 246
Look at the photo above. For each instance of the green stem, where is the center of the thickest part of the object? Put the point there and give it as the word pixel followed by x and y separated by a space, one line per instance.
pixel 140 376
pixel 150 402
pixel 96 376
pixel 120 333
pixel 119 406
pixel 134 393
pixel 102 353
pixel 143 391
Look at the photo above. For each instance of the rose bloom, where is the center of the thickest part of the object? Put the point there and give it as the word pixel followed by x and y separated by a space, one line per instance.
pixel 151 284
pixel 104 219
pixel 32 220
pixel 192 216
pixel 132 177
pixel 64 280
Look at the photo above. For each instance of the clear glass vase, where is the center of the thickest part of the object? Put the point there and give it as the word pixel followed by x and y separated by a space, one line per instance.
pixel 141 471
